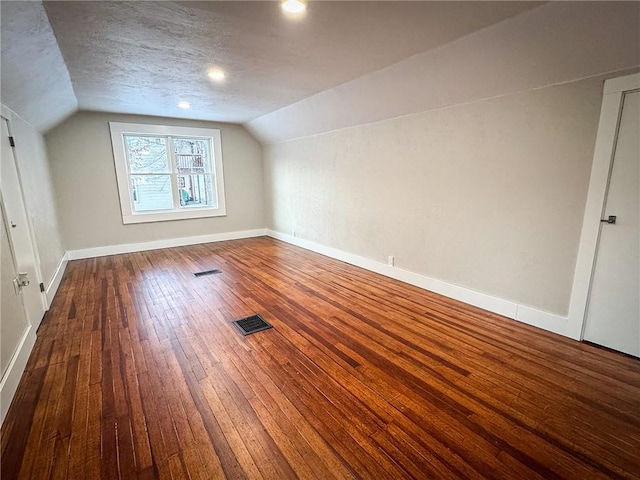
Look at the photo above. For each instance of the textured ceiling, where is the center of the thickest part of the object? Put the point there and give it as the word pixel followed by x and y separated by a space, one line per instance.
pixel 34 79
pixel 143 57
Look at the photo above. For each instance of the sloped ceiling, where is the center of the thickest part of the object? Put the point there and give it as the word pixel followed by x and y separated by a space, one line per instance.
pixel 34 80
pixel 143 57
pixel 556 43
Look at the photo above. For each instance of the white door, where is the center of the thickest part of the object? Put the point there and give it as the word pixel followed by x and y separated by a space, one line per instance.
pixel 13 319
pixel 613 315
pixel 18 229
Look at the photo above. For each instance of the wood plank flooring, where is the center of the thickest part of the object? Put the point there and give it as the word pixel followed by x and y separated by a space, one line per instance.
pixel 138 373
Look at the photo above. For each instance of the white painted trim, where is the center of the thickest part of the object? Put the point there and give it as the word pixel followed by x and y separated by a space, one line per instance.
pixel 551 322
pixel 54 283
pixel 123 175
pixel 156 244
pixel 600 171
pixel 12 376
pixel 185 214
pixel 622 84
pixel 522 313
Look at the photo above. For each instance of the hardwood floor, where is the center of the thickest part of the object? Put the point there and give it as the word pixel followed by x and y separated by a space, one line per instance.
pixel 138 373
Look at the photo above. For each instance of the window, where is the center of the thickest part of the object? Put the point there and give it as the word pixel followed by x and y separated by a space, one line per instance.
pixel 167 173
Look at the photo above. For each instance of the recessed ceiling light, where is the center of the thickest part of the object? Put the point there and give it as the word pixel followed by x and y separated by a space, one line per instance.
pixel 216 75
pixel 293 6
pixel 184 104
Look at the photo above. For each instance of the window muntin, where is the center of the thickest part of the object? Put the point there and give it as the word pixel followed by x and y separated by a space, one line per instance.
pixel 167 173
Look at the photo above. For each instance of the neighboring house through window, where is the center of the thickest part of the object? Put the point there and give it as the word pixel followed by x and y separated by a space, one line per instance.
pixel 167 173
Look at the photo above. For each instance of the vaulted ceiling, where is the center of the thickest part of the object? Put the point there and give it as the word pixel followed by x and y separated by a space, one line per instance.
pixel 143 57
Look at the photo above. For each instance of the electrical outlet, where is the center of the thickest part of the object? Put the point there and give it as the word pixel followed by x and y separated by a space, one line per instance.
pixel 391 260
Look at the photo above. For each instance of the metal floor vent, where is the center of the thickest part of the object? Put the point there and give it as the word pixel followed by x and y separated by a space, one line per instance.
pixel 207 272
pixel 252 324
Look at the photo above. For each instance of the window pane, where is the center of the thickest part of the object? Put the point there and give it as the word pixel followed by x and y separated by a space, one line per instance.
pixel 147 154
pixel 196 191
pixel 151 192
pixel 192 155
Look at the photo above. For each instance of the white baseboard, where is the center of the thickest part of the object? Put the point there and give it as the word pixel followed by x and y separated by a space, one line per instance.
pixel 547 321
pixel 157 244
pixel 11 379
pixel 552 322
pixel 54 283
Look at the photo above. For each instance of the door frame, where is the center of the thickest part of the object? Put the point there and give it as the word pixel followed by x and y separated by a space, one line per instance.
pixel 6 114
pixel 608 126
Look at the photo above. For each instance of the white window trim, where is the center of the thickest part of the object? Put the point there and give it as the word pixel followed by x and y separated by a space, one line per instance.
pixel 118 130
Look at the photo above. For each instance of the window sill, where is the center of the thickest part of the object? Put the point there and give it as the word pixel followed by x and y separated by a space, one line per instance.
pixel 173 215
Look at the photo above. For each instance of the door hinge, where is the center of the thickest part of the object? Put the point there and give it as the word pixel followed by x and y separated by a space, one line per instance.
pixel 12 142
pixel 42 287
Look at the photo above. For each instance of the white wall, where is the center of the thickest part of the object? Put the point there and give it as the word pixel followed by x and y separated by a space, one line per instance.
pixel 469 163
pixel 488 196
pixel 83 170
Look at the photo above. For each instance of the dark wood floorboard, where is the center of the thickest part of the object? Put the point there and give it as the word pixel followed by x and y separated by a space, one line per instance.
pixel 137 372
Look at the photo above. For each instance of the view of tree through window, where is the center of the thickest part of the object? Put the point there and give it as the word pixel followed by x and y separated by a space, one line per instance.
pixel 168 173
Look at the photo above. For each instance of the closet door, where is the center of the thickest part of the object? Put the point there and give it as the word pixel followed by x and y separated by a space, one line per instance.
pixel 613 314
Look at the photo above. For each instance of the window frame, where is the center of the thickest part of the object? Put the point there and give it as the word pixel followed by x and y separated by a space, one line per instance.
pixel 124 175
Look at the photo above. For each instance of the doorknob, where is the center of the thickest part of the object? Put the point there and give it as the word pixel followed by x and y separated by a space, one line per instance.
pixel 611 219
pixel 22 280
